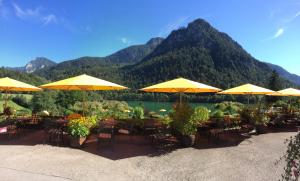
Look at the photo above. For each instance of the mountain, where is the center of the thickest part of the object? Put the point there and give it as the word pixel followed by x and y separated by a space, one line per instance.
pixel 283 73
pixel 198 52
pixel 134 53
pixel 34 65
pixel 95 66
pixel 101 66
pixel 201 53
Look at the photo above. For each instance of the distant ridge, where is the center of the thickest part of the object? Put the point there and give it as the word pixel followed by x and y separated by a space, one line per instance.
pixel 34 65
pixel 284 73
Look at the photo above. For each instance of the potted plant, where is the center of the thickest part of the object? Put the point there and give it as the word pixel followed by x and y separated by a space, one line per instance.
pixel 78 132
pixel 186 122
pixel 261 121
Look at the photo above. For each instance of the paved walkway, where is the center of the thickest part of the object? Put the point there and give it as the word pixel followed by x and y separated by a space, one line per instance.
pixel 253 159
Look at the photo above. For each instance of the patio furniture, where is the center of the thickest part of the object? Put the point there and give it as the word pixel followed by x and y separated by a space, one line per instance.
pixel 9 131
pixel 55 131
pixel 162 139
pixel 105 134
pixel 215 133
pixel 150 126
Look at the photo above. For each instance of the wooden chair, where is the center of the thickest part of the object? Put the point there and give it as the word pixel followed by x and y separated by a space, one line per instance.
pixel 105 134
pixel 9 131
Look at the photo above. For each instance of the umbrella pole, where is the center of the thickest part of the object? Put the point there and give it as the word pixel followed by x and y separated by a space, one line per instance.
pixel 83 104
pixel 5 100
pixel 248 100
pixel 180 98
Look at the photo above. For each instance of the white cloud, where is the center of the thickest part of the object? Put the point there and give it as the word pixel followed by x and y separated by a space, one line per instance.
pixel 49 19
pixel 35 15
pixel 126 41
pixel 279 32
pixel 173 25
pixel 292 18
pixel 26 13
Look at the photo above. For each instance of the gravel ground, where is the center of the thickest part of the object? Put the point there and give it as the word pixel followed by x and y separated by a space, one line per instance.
pixel 253 159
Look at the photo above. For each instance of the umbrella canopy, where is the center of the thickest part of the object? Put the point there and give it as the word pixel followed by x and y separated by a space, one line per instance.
pixel 287 92
pixel 8 84
pixel 83 82
pixel 247 89
pixel 180 85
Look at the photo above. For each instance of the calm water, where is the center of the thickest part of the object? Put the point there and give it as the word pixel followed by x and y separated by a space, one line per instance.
pixel 156 106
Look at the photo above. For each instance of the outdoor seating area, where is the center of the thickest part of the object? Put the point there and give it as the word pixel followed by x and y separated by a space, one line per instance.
pixel 183 126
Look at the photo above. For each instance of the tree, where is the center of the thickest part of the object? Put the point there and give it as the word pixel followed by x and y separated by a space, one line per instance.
pixel 275 84
pixel 44 101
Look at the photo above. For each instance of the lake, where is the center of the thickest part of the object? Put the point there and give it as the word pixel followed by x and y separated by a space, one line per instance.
pixel 156 106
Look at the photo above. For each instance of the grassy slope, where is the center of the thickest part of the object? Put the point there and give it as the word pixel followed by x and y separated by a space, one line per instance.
pixel 13 105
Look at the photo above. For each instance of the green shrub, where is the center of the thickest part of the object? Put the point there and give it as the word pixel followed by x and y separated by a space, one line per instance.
pixel 138 113
pixel 186 120
pixel 200 115
pixel 261 119
pixel 217 114
pixel 292 159
pixel 77 128
pixel 166 120
pixel 181 115
pixel 254 116
pixel 247 115
pixel 220 106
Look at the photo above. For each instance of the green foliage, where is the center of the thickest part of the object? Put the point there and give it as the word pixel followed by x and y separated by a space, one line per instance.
pixel 186 120
pixel 181 115
pixel 138 113
pixel 21 100
pixel 200 116
pixel 24 77
pixel 261 119
pixel 275 83
pixel 281 103
pixel 217 114
pixel 66 99
pixel 105 109
pixel 254 116
pixel 227 108
pixel 78 127
pixel 166 120
pixel 246 115
pixel 44 101
pixel 292 159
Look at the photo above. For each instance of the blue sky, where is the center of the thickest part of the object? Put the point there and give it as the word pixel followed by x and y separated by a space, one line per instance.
pixel 66 29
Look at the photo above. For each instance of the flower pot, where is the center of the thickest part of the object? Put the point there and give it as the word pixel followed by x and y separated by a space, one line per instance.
pixel 187 140
pixel 76 142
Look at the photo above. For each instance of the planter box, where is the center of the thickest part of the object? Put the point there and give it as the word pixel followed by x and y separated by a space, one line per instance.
pixel 77 142
pixel 187 140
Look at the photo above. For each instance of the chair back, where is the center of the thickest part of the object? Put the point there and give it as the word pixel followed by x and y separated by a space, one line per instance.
pixel 3 129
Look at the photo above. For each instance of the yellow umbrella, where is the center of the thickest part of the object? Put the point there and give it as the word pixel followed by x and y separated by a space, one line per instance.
pixel 181 85
pixel 84 83
pixel 247 89
pixel 289 92
pixel 8 85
